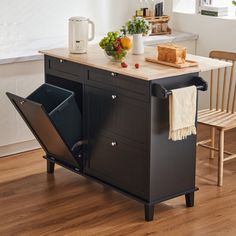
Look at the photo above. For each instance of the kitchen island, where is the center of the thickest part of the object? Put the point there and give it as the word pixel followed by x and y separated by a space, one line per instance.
pixel 125 124
pixel 21 60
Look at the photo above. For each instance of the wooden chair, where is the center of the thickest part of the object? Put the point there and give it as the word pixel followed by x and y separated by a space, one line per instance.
pixel 221 116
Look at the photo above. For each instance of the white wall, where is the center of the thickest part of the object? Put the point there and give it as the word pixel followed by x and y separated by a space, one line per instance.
pixel 188 6
pixel 35 19
pixel 214 34
pixel 28 21
pixel 20 79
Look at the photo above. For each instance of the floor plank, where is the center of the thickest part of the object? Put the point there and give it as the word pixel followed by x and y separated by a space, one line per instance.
pixel 34 203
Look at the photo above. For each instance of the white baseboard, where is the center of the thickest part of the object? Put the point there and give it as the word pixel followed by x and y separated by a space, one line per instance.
pixel 18 148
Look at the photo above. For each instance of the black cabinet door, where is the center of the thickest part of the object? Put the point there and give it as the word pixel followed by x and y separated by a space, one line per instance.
pixel 117 129
pixel 100 110
pixel 119 164
pixel 44 129
pixel 110 112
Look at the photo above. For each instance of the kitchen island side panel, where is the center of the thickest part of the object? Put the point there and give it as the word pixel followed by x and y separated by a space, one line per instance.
pixel 172 163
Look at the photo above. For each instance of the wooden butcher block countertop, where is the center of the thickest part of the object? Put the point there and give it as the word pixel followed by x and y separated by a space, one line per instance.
pixel 95 57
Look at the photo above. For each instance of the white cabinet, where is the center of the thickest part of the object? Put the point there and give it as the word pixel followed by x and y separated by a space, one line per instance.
pixel 21 79
pixel 187 40
pixel 7 112
pixel 189 44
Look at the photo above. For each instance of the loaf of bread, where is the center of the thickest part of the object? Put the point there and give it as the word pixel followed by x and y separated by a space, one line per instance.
pixel 172 53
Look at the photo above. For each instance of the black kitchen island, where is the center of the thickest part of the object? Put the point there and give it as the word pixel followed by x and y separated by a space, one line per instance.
pixel 124 125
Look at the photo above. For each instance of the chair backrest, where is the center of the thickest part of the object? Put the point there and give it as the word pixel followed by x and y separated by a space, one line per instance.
pixel 225 96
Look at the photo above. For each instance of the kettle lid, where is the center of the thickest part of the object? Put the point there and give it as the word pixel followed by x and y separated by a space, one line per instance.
pixel 78 18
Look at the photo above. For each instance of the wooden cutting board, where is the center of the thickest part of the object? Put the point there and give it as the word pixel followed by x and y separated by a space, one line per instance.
pixel 188 63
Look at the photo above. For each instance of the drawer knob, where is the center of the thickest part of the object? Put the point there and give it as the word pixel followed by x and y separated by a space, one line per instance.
pixel 113 97
pixel 61 61
pixel 113 144
pixel 22 102
pixel 113 74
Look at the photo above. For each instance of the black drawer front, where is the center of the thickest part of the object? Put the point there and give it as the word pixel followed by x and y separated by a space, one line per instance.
pixel 119 164
pixel 102 76
pixel 135 85
pixel 65 69
pixel 109 111
pixel 124 83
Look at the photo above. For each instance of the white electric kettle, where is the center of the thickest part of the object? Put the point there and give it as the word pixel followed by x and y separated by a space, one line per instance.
pixel 79 34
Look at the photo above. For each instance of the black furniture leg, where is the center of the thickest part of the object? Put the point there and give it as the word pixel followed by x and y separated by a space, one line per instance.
pixel 50 167
pixel 149 212
pixel 189 197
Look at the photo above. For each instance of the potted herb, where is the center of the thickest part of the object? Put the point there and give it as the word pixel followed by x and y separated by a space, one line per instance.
pixel 138 28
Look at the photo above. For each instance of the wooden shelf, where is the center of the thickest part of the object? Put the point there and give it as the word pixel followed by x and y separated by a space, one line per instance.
pixel 159 25
pixel 159 19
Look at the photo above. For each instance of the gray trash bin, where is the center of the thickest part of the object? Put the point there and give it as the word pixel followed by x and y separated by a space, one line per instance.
pixel 62 109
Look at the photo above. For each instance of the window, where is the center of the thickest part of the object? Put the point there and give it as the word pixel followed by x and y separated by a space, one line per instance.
pixel 227 3
pixel 192 6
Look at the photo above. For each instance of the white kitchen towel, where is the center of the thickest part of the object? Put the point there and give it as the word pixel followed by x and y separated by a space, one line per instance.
pixel 182 110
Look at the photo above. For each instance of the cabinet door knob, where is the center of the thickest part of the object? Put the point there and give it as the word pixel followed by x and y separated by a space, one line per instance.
pixel 22 102
pixel 113 74
pixel 113 144
pixel 113 96
pixel 61 61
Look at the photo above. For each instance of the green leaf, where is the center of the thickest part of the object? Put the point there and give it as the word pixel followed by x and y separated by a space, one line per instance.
pixel 136 26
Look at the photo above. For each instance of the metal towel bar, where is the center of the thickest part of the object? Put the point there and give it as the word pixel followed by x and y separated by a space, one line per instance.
pixel 163 93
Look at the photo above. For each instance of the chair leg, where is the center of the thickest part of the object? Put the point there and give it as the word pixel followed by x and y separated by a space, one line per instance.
pixel 213 134
pixel 221 158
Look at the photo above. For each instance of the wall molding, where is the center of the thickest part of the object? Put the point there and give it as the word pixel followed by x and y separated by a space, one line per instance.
pixel 18 148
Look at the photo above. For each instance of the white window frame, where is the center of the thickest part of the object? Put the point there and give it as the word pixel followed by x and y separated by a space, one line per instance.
pixel 199 3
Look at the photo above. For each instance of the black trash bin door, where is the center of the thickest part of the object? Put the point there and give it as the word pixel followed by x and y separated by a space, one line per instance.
pixel 43 129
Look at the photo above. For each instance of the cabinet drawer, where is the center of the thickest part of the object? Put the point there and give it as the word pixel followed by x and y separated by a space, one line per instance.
pixel 119 164
pixel 65 69
pixel 138 86
pixel 101 76
pixel 109 111
pixel 123 82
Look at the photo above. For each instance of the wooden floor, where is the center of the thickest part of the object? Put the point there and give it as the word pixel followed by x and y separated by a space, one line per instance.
pixel 35 203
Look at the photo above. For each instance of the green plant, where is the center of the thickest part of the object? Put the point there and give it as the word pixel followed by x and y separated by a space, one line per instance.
pixel 234 3
pixel 136 26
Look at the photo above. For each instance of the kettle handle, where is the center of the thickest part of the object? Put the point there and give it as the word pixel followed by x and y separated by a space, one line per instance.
pixel 93 30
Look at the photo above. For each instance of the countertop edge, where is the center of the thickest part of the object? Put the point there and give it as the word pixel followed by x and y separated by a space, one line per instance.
pixel 210 65
pixel 28 58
